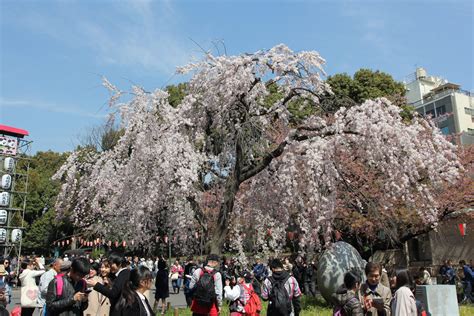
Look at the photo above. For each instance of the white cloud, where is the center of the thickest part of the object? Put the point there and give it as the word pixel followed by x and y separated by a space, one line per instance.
pixel 137 33
pixel 48 107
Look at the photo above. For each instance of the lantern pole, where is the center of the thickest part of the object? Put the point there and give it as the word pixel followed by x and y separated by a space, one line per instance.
pixel 169 249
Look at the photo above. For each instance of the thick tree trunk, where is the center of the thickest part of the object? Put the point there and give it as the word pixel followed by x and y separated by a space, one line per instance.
pixel 222 228
pixel 227 206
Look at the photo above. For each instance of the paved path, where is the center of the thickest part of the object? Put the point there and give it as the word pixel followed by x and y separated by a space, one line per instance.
pixel 176 300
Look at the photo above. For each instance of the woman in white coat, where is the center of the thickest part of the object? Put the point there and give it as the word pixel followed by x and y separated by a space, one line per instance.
pixel 29 289
pixel 403 302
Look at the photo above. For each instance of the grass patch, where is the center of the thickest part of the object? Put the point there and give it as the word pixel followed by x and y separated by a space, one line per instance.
pixel 311 306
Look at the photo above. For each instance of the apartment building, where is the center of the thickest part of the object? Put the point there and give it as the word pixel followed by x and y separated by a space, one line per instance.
pixel 446 103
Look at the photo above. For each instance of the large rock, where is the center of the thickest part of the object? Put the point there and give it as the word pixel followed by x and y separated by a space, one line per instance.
pixel 334 263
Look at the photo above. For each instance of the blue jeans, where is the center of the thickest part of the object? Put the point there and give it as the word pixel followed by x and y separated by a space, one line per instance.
pixel 468 291
pixel 177 284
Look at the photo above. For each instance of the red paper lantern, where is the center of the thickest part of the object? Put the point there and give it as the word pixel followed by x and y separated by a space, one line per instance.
pixel 67 242
pixel 462 229
pixel 124 243
pixel 166 239
pixel 291 235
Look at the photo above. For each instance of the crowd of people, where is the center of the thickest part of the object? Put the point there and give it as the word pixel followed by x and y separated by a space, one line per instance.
pixel 119 285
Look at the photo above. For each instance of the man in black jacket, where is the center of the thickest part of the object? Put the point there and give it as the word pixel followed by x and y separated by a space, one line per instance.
pixel 288 304
pixel 118 266
pixel 66 293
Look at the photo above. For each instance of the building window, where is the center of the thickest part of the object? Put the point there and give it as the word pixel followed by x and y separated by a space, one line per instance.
pixel 430 113
pixel 445 130
pixel 441 110
pixel 469 111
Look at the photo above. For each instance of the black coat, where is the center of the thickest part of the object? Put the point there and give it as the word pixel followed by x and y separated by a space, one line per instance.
pixel 136 309
pixel 114 293
pixel 162 289
pixel 65 305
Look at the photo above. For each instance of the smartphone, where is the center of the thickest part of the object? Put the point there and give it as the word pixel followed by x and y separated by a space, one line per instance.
pixel 378 300
pixel 88 290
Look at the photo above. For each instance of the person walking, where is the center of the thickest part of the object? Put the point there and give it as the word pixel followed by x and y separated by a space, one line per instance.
pixel 282 291
pixel 425 276
pixel 207 286
pixel 346 298
pixel 176 275
pixel 66 292
pixel 29 290
pixel 162 289
pixel 119 267
pixel 5 289
pixel 45 279
pixel 403 303
pixel 133 301
pixel 468 281
pixel 105 274
pixel 189 269
pixel 376 297
pixel 244 300
pixel 98 304
pixel 309 277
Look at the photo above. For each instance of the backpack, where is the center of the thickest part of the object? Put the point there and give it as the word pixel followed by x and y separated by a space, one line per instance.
pixel 341 309
pixel 279 299
pixel 253 306
pixel 260 272
pixel 205 293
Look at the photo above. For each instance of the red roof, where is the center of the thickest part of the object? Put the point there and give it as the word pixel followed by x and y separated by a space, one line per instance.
pixel 13 131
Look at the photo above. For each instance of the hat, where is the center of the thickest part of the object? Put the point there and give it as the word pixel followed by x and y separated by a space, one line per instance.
pixel 65 265
pixel 213 257
pixel 142 259
pixel 2 270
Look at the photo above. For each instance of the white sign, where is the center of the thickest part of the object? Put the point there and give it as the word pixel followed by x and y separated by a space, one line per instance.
pixel 3 235
pixel 8 145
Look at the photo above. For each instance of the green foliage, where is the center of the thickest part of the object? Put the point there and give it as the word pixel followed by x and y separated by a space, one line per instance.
pixel 110 138
pixel 97 253
pixel 310 307
pixel 42 229
pixel 299 108
pixel 366 84
pixel 176 93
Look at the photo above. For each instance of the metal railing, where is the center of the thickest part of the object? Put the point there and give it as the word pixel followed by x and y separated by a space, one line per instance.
pixel 439 95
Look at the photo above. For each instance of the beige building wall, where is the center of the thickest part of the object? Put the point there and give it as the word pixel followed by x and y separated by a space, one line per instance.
pixel 464 106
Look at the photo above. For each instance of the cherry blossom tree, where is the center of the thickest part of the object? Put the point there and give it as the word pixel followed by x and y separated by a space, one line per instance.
pixel 229 133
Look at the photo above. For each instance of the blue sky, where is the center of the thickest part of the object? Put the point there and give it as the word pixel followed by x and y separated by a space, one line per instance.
pixel 53 53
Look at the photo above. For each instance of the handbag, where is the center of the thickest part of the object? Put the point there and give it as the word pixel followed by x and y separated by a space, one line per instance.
pixel 174 276
pixel 29 296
